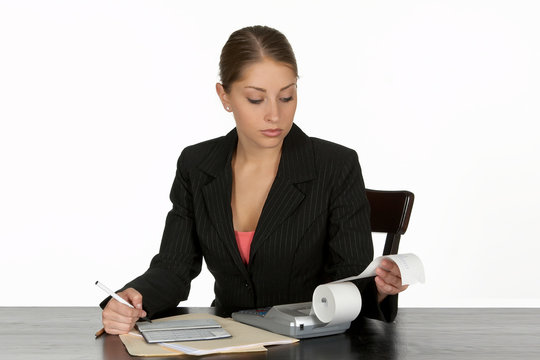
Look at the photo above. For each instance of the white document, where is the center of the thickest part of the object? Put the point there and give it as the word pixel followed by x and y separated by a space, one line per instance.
pixel 243 338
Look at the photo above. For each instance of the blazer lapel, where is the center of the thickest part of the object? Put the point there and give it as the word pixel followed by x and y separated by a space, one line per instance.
pixel 296 166
pixel 217 195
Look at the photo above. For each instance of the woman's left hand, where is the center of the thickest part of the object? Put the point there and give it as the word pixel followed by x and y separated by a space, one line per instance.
pixel 388 279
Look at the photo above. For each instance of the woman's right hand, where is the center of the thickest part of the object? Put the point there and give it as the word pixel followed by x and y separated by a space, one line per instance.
pixel 118 318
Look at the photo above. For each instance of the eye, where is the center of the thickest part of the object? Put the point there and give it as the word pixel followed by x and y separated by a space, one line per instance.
pixel 254 101
pixel 287 99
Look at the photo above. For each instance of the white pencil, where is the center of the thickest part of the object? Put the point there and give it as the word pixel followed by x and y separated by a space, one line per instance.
pixel 118 298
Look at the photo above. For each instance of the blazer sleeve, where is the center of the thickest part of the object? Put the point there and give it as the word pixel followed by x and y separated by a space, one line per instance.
pixel 168 279
pixel 350 242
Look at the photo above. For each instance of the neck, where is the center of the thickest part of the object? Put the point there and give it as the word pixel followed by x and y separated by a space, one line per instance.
pixel 258 157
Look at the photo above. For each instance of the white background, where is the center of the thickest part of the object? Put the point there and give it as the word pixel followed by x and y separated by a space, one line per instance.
pixel 98 98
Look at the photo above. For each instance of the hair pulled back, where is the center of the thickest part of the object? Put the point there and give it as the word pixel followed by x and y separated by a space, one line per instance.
pixel 252 44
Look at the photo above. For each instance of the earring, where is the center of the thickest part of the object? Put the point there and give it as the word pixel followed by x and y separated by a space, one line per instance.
pixel 228 108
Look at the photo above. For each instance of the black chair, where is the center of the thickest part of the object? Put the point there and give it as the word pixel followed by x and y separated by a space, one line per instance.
pixel 390 213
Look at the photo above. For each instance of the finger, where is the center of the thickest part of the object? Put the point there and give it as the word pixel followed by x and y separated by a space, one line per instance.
pixel 388 288
pixel 393 271
pixel 124 328
pixel 112 320
pixel 122 309
pixel 387 264
pixel 135 298
pixel 391 266
pixel 117 328
pixel 386 273
pixel 392 279
pixel 132 296
pixel 385 288
pixel 111 316
pixel 112 327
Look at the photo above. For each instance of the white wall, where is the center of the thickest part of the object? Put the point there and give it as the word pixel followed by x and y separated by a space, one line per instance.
pixel 97 99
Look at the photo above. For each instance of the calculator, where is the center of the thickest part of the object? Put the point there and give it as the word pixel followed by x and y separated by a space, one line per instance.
pixel 295 320
pixel 161 336
pixel 182 330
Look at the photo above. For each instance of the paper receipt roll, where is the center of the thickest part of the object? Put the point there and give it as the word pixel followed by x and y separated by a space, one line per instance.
pixel 336 302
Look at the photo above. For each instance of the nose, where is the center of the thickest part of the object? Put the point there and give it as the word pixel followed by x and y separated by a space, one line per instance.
pixel 272 113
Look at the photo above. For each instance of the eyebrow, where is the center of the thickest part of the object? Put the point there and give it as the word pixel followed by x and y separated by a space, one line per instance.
pixel 264 90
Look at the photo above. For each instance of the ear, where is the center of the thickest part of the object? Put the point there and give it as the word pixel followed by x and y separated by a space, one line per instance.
pixel 223 96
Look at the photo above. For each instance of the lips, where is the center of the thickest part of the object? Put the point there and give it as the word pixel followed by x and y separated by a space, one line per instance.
pixel 272 132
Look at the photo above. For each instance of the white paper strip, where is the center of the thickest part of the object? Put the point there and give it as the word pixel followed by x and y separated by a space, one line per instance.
pixel 410 266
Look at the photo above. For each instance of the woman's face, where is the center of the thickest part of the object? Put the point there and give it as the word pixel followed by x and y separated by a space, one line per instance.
pixel 263 102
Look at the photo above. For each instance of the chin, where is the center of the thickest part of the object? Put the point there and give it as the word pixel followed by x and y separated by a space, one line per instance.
pixel 271 144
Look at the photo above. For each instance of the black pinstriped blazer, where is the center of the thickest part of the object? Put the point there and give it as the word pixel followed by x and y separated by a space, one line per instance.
pixel 314 227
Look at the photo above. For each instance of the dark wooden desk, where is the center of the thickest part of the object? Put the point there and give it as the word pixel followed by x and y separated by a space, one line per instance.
pixel 68 333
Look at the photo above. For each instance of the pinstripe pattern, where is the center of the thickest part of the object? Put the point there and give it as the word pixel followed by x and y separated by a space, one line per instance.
pixel 314 227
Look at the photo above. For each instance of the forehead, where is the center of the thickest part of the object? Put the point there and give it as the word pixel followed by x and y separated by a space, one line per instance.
pixel 266 74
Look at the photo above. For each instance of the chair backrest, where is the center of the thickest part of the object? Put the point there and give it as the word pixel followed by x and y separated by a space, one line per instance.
pixel 390 213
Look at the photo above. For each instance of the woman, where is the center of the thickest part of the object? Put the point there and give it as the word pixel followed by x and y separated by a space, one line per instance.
pixel 273 211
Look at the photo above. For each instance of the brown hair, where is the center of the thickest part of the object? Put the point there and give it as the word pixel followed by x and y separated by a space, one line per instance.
pixel 249 45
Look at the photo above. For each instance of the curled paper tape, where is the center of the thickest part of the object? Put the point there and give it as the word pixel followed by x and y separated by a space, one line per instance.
pixel 340 301
pixel 336 303
pixel 410 266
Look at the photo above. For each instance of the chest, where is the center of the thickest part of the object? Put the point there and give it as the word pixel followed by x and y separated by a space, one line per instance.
pixel 249 193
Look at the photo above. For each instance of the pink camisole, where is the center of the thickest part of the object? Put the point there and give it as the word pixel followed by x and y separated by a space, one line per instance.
pixel 243 240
